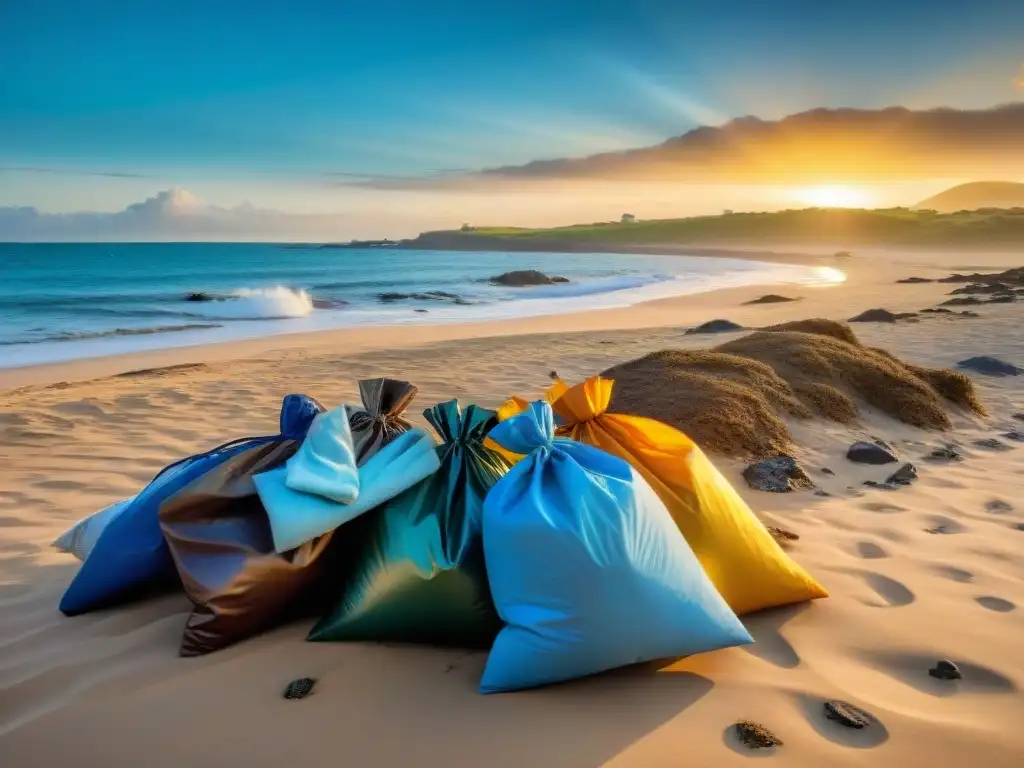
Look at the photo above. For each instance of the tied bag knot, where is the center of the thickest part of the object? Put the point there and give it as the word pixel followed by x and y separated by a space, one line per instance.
pixel 380 420
pixel 532 430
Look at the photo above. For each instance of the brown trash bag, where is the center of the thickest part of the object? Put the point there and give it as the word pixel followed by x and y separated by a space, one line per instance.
pixel 380 419
pixel 220 539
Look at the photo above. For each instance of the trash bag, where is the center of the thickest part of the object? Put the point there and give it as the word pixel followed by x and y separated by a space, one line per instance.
pixel 417 573
pixel 587 569
pixel 131 554
pixel 743 561
pixel 380 420
pixel 297 515
pixel 80 539
pixel 221 537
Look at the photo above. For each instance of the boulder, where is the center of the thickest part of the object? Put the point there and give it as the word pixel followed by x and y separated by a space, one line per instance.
pixel 771 298
pixel 874 316
pixel 716 326
pixel 878 452
pixel 521 278
pixel 779 475
pixel 990 366
pixel 962 301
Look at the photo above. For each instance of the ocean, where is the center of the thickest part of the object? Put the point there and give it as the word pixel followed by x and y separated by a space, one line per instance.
pixel 66 301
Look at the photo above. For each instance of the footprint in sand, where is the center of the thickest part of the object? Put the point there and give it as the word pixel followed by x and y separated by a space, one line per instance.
pixel 882 507
pixel 893 592
pixel 940 524
pixel 954 573
pixel 997 604
pixel 870 551
pixel 912 668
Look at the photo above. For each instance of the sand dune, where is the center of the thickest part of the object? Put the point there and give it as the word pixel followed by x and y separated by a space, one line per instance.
pixel 916 575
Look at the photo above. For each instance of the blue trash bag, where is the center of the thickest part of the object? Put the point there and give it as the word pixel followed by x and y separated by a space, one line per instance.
pixel 586 566
pixel 131 554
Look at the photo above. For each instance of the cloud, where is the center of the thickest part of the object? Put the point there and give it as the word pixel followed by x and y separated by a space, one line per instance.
pixel 70 172
pixel 817 146
pixel 173 214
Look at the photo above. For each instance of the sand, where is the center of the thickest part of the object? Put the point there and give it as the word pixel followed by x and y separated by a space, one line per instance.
pixel 108 689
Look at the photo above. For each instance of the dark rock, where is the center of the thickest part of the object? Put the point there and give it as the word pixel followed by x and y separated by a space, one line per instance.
pixel 553 375
pixel 1019 416
pixel 966 313
pixel 845 713
pixel 938 311
pixel 990 366
pixel 913 280
pixel 946 453
pixel 299 689
pixel 946 670
pixel 962 301
pixel 1013 434
pixel 878 452
pixel 998 507
pixel 991 444
pixel 423 311
pixel 521 278
pixel 755 735
pixel 779 475
pixel 939 529
pixel 1002 299
pixel 781 535
pixel 980 288
pixel 716 326
pixel 822 492
pixel 771 298
pixel 905 475
pixel 200 296
pixel 874 316
pixel 826 471
pixel 329 303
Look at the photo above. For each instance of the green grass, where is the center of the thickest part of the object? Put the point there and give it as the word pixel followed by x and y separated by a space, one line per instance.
pixel 847 226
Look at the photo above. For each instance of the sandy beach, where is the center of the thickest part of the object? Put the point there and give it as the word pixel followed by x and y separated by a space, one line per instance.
pixel 933 571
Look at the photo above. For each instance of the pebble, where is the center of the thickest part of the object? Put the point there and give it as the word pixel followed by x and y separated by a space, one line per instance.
pixel 847 714
pixel 756 736
pixel 992 444
pixel 1014 435
pixel 299 689
pixel 905 475
pixel 946 453
pixel 946 670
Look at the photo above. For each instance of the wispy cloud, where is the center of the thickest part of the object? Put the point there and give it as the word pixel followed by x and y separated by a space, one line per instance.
pixel 70 172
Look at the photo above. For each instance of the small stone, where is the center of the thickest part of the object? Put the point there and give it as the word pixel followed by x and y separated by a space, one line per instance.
pixel 998 507
pixel 990 366
pixel 938 529
pixel 779 475
pixel 878 452
pixel 299 689
pixel 826 471
pixel 880 486
pixel 874 316
pixel 1014 435
pixel 553 375
pixel 946 670
pixel 946 453
pixel 905 475
pixel 991 444
pixel 756 736
pixel 822 492
pixel 781 535
pixel 716 326
pixel 847 714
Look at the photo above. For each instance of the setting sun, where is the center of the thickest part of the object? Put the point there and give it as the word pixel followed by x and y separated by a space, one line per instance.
pixel 833 196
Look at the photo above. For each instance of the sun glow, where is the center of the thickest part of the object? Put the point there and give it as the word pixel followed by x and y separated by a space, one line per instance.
pixel 833 196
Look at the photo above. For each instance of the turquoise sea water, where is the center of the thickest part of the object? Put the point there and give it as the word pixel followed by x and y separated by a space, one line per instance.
pixel 66 301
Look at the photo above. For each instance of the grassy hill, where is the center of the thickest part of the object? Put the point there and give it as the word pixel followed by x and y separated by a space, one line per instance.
pixel 832 226
pixel 975 195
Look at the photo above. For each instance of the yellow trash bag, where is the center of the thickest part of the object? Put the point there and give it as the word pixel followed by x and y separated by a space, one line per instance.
pixel 743 561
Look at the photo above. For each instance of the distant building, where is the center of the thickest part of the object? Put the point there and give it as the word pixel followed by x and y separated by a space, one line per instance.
pixel 628 218
pixel 467 228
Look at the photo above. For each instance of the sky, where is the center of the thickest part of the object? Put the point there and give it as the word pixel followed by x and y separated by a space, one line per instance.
pixel 282 105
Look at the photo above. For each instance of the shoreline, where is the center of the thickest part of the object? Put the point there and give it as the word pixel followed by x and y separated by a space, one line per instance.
pixel 866 276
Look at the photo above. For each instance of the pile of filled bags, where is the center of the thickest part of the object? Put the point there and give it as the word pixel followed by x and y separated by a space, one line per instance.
pixel 566 539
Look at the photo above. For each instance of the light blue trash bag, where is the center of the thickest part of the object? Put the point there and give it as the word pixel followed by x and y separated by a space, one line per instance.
pixel 586 566
pixel 320 488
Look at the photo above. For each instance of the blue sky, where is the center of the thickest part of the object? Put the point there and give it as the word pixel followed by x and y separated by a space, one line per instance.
pixel 267 100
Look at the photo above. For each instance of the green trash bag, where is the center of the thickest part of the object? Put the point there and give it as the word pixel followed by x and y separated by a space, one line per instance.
pixel 415 566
